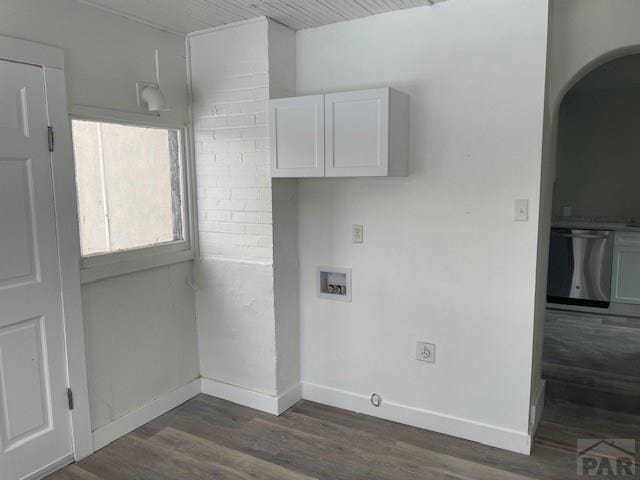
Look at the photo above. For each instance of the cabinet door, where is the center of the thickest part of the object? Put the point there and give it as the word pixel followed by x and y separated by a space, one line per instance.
pixel 357 133
pixel 296 136
pixel 626 269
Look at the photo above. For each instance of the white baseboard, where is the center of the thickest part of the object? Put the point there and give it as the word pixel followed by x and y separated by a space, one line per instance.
pixel 252 399
pixel 499 437
pixel 51 468
pixel 103 436
pixel 494 436
pixel 289 398
pixel 537 407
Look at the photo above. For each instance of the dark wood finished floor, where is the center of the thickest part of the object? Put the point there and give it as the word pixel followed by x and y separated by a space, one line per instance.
pixel 593 359
pixel 208 438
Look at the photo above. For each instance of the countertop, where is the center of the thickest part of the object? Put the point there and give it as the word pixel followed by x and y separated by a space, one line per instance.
pixel 589 225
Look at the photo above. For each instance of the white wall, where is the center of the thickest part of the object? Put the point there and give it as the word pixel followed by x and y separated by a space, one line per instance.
pixel 443 260
pixel 140 339
pixel 597 163
pixel 583 34
pixel 140 328
pixel 247 338
pixel 230 87
pixel 236 324
pixel 104 54
pixel 282 83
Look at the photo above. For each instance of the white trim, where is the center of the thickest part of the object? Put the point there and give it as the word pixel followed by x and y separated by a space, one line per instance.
pixel 289 398
pixel 106 434
pixel 217 28
pixel 49 469
pixel 216 258
pixel 252 399
pixel 122 256
pixel 23 51
pixel 69 252
pixel 492 435
pixel 191 157
pixel 126 117
pixel 537 407
pixel 103 436
pixel 101 266
pixel 138 264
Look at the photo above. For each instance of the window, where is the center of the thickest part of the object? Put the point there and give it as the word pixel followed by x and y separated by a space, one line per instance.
pixel 129 184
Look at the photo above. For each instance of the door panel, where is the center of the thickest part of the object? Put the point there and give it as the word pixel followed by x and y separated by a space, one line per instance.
pixel 10 105
pixel 357 133
pixel 626 268
pixel 24 397
pixel 627 275
pixel 355 125
pixel 16 191
pixel 35 424
pixel 296 129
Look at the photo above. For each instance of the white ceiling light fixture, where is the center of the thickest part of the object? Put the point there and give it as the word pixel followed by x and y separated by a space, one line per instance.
pixel 149 94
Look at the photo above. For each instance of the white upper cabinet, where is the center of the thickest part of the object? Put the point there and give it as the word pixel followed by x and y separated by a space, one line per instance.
pixel 296 136
pixel 358 133
pixel 365 134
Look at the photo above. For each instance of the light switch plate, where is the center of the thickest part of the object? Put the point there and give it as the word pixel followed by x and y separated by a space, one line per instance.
pixel 357 234
pixel 521 213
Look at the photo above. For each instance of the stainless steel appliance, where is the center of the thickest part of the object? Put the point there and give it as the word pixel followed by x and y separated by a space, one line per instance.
pixel 580 267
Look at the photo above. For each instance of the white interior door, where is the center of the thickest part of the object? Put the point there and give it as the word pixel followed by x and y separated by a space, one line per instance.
pixel 35 423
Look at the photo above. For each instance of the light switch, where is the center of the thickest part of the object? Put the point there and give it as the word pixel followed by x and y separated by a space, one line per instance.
pixel 357 234
pixel 521 213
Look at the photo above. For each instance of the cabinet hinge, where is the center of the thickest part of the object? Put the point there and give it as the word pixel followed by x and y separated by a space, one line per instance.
pixel 70 398
pixel 50 138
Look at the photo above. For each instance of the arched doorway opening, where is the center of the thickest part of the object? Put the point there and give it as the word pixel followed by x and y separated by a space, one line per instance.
pixel 591 353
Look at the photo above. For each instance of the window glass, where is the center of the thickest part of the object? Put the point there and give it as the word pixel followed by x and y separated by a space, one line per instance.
pixel 129 186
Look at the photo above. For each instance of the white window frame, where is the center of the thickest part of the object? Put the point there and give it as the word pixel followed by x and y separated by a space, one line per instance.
pixel 98 266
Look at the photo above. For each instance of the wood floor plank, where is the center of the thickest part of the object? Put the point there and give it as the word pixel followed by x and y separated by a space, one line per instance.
pixel 73 472
pixel 209 438
pixel 592 418
pixel 131 458
pixel 553 467
pixel 389 450
pixel 209 453
pixel 301 452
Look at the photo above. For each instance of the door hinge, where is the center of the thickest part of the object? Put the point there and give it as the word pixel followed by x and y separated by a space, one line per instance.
pixel 70 398
pixel 50 138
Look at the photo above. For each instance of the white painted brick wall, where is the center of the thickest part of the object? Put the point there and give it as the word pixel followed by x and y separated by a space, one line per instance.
pixel 232 163
pixel 247 310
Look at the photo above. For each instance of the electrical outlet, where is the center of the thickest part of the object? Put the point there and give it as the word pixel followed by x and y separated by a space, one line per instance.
pixel 426 352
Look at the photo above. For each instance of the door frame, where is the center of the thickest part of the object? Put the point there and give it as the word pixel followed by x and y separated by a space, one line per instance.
pixel 51 60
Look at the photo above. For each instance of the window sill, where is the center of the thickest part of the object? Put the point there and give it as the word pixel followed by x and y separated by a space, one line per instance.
pixel 123 263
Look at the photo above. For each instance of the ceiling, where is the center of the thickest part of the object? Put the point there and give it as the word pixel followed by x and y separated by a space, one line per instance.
pixel 184 16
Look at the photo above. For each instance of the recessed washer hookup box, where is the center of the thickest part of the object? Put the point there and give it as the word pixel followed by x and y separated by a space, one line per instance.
pixel 334 283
